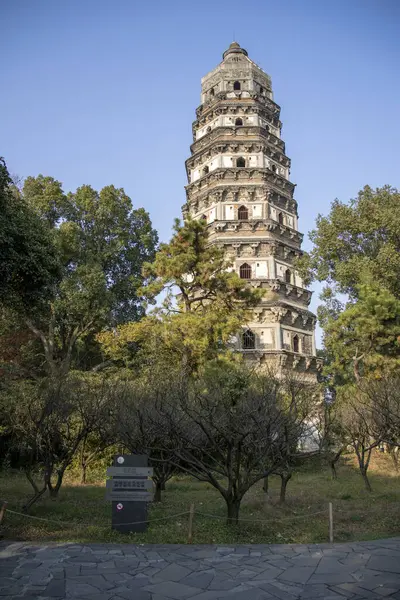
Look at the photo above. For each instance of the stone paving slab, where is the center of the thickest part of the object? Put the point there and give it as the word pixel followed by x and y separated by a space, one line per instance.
pixel 354 571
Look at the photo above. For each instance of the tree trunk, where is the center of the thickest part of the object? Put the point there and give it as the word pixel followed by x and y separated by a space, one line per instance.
pixel 233 506
pixel 332 463
pixel 395 458
pixel 83 462
pixel 34 499
pixel 54 489
pixel 266 484
pixel 37 493
pixel 83 472
pixel 284 481
pixel 366 480
pixel 162 472
pixel 157 493
pixel 364 456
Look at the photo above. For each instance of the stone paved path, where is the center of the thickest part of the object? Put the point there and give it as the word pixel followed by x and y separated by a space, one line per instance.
pixel 367 570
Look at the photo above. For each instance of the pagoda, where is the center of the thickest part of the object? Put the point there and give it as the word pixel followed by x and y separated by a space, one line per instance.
pixel 238 181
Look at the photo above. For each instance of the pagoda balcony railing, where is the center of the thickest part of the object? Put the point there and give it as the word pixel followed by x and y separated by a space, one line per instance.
pixel 288 347
pixel 258 224
pixel 241 175
pixel 266 346
pixel 237 131
pixel 286 290
pixel 221 98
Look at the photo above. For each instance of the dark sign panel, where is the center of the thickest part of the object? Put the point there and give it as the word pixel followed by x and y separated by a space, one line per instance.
pixel 128 491
pixel 133 471
pixel 124 496
pixel 129 484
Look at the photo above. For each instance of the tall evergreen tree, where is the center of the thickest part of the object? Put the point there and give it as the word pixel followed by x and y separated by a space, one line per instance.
pixel 29 264
pixel 356 254
pixel 204 304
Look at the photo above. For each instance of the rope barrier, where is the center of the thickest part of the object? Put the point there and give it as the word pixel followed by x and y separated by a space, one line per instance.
pixel 320 512
pixel 176 515
pixel 361 512
pixel 69 523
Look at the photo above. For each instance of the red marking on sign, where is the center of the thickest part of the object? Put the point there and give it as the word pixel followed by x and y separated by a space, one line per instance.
pixel 120 506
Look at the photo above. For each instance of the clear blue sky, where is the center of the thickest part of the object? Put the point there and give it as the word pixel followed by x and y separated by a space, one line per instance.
pixel 104 92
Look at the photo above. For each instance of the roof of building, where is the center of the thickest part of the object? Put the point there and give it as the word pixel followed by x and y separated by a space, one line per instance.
pixel 234 48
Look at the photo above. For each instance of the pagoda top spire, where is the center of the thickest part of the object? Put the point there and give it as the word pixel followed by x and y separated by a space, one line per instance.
pixel 234 48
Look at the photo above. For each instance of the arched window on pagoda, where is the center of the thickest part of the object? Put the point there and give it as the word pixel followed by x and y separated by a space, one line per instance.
pixel 240 162
pixel 245 271
pixel 280 218
pixel 238 122
pixel 296 343
pixel 212 92
pixel 206 170
pixel 248 340
pixel 288 276
pixel 204 218
pixel 208 129
pixel 243 213
pixel 236 86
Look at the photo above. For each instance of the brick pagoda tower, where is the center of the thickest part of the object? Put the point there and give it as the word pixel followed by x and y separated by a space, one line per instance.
pixel 238 176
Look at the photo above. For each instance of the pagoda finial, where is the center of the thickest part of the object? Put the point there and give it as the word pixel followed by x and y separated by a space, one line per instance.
pixel 234 48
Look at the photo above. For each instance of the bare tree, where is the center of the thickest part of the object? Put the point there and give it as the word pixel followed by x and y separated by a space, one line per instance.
pixel 383 395
pixel 383 398
pixel 360 430
pixel 304 395
pixel 229 428
pixel 50 420
pixel 332 440
pixel 136 429
pixel 366 416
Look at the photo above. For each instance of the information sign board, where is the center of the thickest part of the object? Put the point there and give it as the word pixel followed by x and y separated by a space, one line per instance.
pixel 129 484
pixel 129 492
pixel 131 471
pixel 131 496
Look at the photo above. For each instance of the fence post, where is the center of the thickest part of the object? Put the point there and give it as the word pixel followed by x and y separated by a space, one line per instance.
pixel 190 528
pixel 3 511
pixel 330 523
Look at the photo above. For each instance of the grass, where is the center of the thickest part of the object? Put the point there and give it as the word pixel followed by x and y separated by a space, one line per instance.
pixel 358 515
